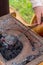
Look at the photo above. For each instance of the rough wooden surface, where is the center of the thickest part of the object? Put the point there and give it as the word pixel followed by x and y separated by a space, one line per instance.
pixel 10 25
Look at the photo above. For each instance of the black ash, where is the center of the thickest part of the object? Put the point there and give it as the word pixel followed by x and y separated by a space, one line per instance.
pixel 10 46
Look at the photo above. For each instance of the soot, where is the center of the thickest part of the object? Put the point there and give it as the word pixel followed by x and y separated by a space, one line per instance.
pixel 10 46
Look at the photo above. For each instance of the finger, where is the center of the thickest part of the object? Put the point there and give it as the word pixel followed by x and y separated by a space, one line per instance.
pixel 42 12
pixel 38 18
pixel 42 18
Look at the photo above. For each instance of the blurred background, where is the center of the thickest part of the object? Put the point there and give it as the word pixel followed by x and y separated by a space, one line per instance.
pixel 24 7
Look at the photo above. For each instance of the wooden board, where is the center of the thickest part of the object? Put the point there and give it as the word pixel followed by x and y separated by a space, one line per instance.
pixel 11 25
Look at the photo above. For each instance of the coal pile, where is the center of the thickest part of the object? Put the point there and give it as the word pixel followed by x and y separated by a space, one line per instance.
pixel 10 46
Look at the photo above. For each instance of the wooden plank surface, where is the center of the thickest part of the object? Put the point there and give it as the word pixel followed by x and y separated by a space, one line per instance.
pixel 10 25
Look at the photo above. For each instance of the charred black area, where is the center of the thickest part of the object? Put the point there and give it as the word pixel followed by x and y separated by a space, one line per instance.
pixel 10 51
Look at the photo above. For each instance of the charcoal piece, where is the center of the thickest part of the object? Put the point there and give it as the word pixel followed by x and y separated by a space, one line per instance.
pixel 26 60
pixel 1 36
pixel 30 58
pixel 8 55
pixel 1 44
pixel 10 51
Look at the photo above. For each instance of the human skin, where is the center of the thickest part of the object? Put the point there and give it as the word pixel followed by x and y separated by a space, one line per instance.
pixel 39 13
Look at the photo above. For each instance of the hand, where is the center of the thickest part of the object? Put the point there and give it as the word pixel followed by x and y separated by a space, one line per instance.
pixel 39 13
